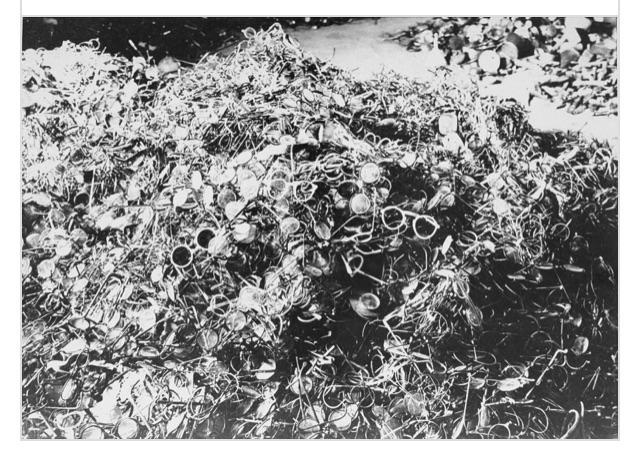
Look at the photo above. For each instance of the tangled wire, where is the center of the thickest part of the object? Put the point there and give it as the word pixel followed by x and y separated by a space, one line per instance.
pixel 262 246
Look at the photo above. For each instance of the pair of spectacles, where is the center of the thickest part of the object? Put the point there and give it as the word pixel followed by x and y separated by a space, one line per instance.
pixel 182 255
pixel 396 219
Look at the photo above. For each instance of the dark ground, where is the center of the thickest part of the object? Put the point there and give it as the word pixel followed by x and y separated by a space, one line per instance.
pixel 187 39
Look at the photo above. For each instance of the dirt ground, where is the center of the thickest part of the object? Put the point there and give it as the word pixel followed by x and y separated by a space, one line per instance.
pixel 363 46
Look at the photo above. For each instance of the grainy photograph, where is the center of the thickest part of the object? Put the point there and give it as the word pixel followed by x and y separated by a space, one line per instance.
pixel 319 227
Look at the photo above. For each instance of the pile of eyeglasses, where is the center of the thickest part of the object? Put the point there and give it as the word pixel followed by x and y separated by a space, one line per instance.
pixel 577 54
pixel 262 246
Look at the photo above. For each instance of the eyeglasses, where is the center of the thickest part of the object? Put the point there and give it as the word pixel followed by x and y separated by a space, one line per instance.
pixel 334 166
pixel 353 264
pixel 304 191
pixel 359 230
pixel 289 226
pixel 226 196
pixel 181 256
pixel 92 432
pixel 360 203
pixel 396 219
pixel 370 173
pixel 200 406
pixel 468 239
pixel 370 301
pixel 347 188
pixel 203 237
pixel 218 303
pixel 371 247
pixel 244 232
pixel 278 188
pixel 69 420
pixel 127 428
pixel 81 198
